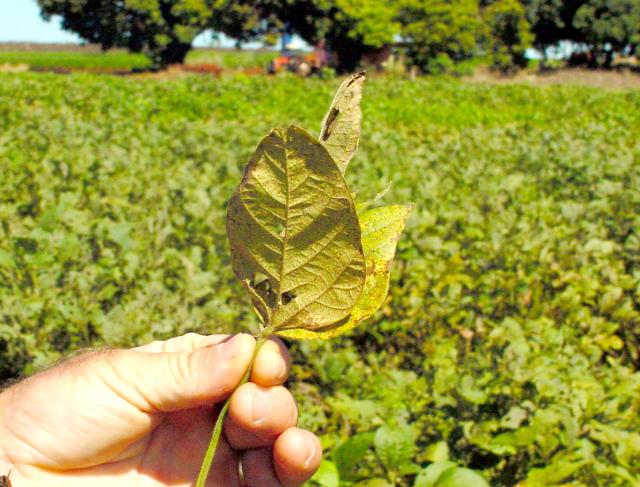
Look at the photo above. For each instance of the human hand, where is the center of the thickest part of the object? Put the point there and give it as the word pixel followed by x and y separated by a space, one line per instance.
pixel 144 417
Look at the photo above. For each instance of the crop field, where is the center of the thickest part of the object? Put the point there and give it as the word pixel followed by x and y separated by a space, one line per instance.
pixel 510 341
pixel 93 60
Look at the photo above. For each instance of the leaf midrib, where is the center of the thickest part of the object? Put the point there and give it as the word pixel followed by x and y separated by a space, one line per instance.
pixel 286 220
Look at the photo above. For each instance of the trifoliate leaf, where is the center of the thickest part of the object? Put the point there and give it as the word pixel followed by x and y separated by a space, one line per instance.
pixel 381 228
pixel 340 129
pixel 294 234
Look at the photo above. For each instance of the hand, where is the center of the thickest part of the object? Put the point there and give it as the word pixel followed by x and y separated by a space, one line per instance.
pixel 144 417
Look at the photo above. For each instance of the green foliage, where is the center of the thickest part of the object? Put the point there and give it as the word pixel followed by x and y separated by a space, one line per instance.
pixel 511 332
pixel 232 59
pixel 551 20
pixel 448 474
pixel 69 60
pixel 350 29
pixel 605 27
pixel 162 30
pixel 435 28
pixel 122 61
pixel 508 35
pixel 609 26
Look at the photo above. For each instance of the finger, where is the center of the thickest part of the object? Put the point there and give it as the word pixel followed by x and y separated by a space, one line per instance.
pixel 257 466
pixel 296 456
pixel 183 438
pixel 257 415
pixel 170 381
pixel 271 367
pixel 187 342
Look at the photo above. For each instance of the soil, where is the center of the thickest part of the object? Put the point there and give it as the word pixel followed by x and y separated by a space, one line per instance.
pixel 617 79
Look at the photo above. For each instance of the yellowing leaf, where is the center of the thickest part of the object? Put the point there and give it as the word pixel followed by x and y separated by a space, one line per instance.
pixel 381 228
pixel 294 234
pixel 340 129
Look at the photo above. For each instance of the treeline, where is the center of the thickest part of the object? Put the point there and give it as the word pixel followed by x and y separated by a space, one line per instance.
pixel 432 33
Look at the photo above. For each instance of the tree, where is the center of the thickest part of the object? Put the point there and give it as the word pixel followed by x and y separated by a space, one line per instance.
pixel 609 27
pixel 507 34
pixel 439 29
pixel 552 21
pixel 350 28
pixel 162 29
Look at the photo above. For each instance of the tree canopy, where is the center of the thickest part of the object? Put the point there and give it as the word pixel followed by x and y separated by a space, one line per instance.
pixel 609 26
pixel 428 31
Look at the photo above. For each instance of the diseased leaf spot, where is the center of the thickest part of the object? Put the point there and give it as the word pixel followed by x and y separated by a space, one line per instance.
pixel 287 297
pixel 333 115
pixel 356 77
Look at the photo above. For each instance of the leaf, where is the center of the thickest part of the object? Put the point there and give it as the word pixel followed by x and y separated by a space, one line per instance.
pixel 377 482
pixel 351 453
pixel 6 260
pixel 381 228
pixel 394 445
pixel 327 475
pixel 461 477
pixel 437 452
pixel 294 234
pixel 340 128
pixel 430 475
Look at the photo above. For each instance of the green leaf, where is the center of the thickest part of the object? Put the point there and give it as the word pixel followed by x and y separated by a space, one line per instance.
pixel 350 454
pixel 340 128
pixel 381 228
pixel 429 476
pixel 377 482
pixel 437 452
pixel 327 475
pixel 461 477
pixel 394 445
pixel 294 234
pixel 6 260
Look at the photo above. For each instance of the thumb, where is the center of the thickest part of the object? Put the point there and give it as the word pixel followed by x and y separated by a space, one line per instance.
pixel 162 382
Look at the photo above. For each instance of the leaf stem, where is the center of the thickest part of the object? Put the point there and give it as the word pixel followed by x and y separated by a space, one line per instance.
pixel 217 429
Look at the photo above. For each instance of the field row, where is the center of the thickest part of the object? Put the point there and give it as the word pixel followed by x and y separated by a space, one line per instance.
pixel 509 344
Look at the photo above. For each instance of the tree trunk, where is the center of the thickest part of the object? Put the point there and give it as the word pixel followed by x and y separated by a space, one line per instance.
pixel 608 58
pixel 173 53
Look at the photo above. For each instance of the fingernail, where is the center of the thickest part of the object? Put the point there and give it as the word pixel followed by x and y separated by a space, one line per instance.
pixel 228 349
pixel 311 449
pixel 281 367
pixel 261 406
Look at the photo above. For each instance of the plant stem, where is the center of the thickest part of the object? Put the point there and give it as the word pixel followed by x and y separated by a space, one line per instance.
pixel 217 429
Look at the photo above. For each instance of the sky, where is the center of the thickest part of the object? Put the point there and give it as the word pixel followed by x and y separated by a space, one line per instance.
pixel 20 21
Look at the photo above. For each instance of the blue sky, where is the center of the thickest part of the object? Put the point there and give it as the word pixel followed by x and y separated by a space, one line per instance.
pixel 20 21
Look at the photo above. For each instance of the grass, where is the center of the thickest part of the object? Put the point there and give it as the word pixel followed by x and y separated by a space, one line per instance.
pixel 69 60
pixel 231 59
pixel 123 61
